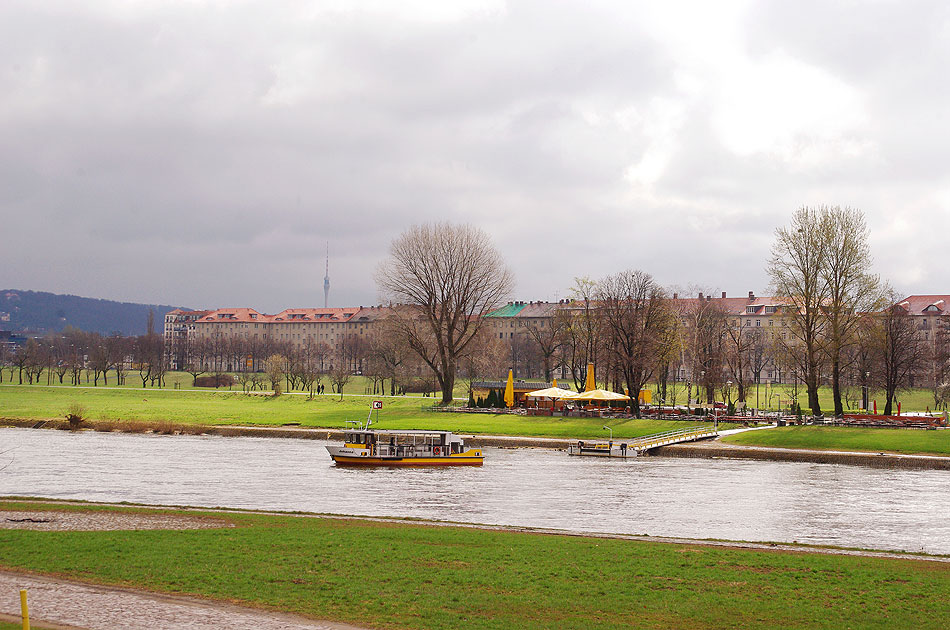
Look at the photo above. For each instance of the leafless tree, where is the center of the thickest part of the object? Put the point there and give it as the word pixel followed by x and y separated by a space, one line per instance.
pixel 340 373
pixel 276 366
pixel 940 362
pixel 582 331
pixel 851 289
pixel 196 354
pixel 448 277
pixel 148 356
pixel 312 359
pixel 705 341
pixel 902 355
pixel 796 268
pixel 638 320
pixel 391 350
pixel 548 338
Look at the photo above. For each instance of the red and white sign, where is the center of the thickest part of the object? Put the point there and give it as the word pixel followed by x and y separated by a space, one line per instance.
pixel 377 404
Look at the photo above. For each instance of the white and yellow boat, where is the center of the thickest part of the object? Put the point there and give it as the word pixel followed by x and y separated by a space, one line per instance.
pixel 367 447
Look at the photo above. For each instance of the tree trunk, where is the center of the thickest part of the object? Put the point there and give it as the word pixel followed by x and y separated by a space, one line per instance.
pixel 812 386
pixel 836 387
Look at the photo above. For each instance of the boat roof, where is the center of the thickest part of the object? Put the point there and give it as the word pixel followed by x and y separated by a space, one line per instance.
pixel 399 431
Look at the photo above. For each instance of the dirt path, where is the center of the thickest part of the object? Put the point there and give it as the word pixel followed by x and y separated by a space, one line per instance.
pixel 68 605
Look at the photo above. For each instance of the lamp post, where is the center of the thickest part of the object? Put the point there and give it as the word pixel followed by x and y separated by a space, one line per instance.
pixel 864 391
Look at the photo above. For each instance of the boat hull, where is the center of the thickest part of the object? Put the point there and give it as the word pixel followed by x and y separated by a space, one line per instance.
pixel 405 462
pixel 348 456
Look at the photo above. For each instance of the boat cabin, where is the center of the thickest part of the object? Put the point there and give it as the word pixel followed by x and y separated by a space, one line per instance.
pixel 406 443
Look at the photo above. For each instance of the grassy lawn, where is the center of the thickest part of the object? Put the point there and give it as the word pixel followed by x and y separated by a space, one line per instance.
pixel 398 575
pixel 848 438
pixel 217 408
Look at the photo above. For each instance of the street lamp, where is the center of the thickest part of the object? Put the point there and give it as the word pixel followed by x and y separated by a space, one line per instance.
pixel 864 391
pixel 606 428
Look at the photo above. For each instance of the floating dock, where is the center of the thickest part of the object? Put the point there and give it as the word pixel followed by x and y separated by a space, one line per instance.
pixel 638 446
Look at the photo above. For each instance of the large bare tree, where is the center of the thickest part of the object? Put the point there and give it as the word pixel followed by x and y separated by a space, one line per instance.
pixel 705 343
pixel 796 268
pixel 447 277
pixel 638 321
pixel 851 289
pixel 902 354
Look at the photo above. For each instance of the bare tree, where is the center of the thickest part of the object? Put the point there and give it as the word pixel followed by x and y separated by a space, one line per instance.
pixel 705 338
pixel 940 362
pixel 448 277
pixel 148 354
pixel 796 269
pixel 340 373
pixel 548 338
pixel 312 358
pixel 639 322
pixel 851 289
pixel 391 349
pixel 902 355
pixel 196 354
pixel 581 325
pixel 276 366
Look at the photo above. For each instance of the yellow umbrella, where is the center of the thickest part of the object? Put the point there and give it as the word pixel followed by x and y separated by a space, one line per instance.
pixel 510 390
pixel 589 384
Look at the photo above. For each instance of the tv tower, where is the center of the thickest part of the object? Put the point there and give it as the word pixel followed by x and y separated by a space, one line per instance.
pixel 326 280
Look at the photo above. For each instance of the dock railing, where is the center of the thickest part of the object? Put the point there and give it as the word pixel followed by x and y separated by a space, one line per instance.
pixel 671 437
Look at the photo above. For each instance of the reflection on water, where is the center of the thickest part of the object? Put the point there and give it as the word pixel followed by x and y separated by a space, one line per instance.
pixel 733 499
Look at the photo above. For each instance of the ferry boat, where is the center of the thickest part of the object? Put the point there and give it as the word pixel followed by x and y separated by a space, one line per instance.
pixel 371 447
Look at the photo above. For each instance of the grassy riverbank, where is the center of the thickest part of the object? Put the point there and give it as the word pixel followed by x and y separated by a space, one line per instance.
pixel 235 408
pixel 400 575
pixel 848 439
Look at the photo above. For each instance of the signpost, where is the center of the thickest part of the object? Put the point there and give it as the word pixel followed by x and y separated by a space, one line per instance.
pixel 377 405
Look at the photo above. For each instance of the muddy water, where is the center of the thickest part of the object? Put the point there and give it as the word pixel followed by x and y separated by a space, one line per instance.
pixel 732 499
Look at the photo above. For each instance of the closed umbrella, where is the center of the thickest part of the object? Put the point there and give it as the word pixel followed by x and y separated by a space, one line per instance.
pixel 510 390
pixel 589 383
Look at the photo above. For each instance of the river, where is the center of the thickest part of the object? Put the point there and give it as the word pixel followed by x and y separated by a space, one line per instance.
pixel 732 499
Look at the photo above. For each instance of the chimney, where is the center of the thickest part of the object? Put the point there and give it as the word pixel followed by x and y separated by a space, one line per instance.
pixel 700 295
pixel 724 295
pixel 708 298
pixel 675 295
pixel 751 296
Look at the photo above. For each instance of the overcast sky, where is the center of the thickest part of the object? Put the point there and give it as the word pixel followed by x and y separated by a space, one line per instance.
pixel 204 153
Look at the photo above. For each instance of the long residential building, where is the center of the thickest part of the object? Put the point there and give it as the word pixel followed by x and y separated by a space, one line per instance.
pixel 521 327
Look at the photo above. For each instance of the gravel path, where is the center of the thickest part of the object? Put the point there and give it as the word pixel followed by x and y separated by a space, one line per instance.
pixel 74 605
pixel 101 521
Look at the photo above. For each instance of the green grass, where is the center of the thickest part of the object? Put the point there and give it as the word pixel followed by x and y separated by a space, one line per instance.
pixel 769 397
pixel 397 575
pixel 230 408
pixel 849 438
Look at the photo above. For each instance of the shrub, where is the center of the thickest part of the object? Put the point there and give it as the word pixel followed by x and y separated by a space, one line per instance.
pixel 75 414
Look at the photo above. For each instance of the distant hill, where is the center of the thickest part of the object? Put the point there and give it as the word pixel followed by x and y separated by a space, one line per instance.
pixel 40 312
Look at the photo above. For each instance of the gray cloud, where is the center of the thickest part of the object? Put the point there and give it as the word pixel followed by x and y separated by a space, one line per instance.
pixel 205 154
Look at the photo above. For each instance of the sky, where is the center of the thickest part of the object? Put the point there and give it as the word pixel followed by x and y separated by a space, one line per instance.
pixel 208 153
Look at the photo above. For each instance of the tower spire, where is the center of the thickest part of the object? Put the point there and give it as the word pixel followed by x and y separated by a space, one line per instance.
pixel 326 280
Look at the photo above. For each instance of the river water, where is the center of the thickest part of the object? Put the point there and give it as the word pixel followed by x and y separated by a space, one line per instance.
pixel 662 496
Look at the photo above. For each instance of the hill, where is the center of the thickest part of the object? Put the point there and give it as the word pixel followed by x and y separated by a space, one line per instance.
pixel 41 312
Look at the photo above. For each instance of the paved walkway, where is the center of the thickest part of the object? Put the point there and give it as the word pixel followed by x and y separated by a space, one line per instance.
pixel 73 605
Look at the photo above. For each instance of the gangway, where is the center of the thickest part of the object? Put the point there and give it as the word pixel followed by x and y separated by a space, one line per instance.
pixel 638 446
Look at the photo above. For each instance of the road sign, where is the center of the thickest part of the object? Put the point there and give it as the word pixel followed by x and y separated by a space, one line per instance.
pixel 377 404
